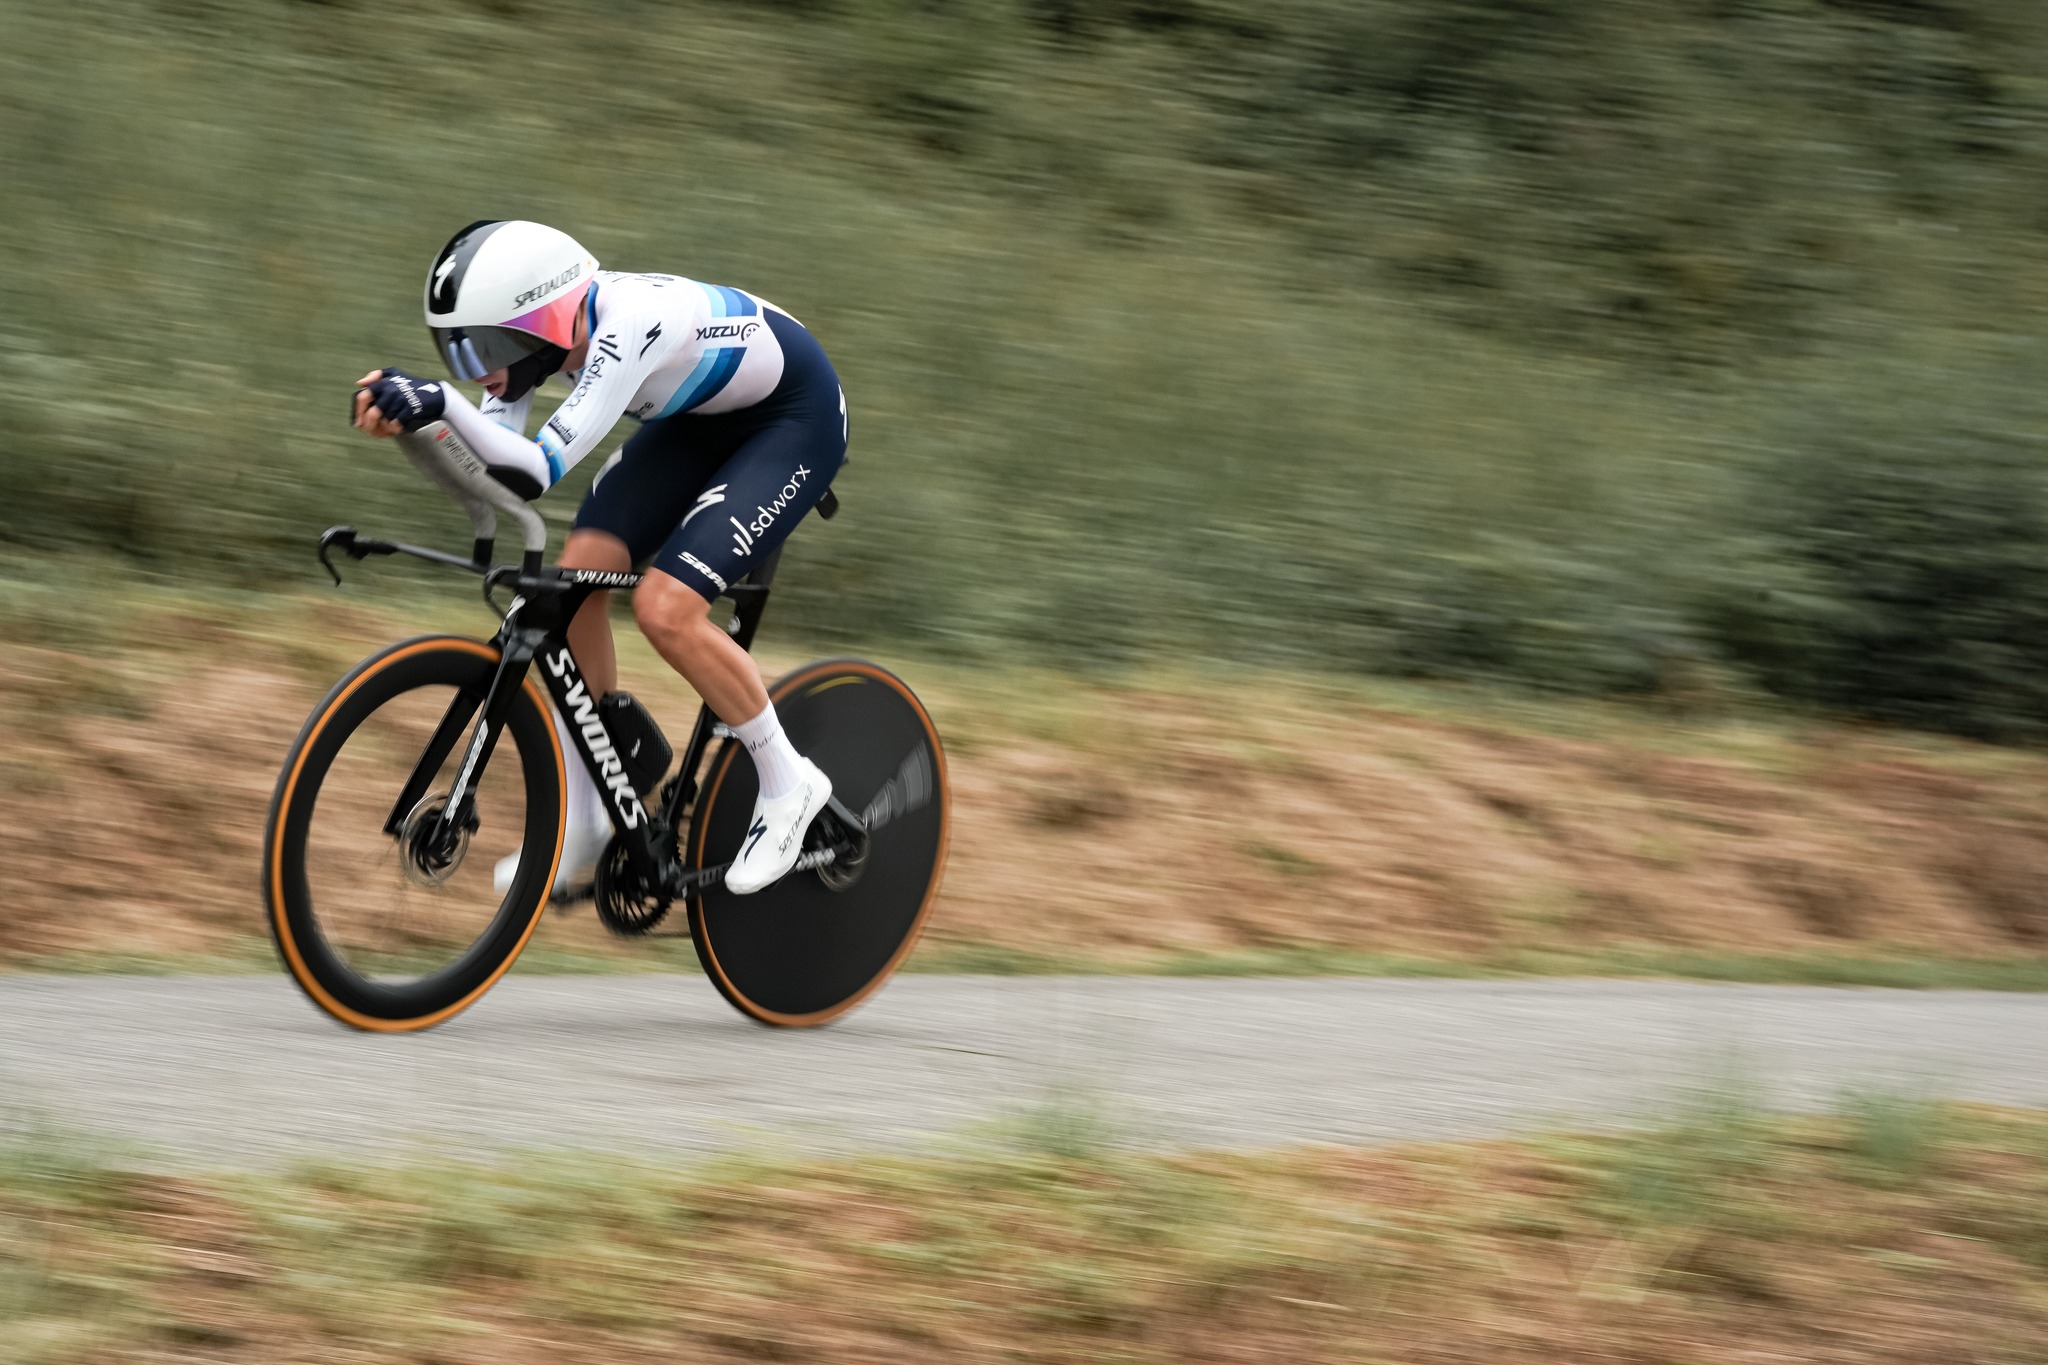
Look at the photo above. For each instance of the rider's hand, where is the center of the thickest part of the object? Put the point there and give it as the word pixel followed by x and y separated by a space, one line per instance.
pixel 388 402
pixel 365 416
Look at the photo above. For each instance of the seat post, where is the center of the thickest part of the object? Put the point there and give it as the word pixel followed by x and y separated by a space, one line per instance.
pixel 750 598
pixel 763 573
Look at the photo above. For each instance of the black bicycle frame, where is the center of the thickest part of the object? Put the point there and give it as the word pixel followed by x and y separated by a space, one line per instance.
pixel 535 629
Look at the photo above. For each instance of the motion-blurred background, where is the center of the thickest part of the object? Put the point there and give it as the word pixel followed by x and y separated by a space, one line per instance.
pixel 1683 357
pixel 1367 487
pixel 1583 345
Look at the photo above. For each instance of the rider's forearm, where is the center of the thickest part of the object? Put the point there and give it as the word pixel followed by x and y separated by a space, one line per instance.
pixel 498 447
pixel 511 416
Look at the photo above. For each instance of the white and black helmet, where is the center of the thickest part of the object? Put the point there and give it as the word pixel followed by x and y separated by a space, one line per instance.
pixel 507 291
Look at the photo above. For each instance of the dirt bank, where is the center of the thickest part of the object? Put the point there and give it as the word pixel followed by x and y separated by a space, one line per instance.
pixel 1125 822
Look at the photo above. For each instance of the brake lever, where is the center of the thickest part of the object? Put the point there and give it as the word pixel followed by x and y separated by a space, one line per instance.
pixel 349 543
pixel 344 536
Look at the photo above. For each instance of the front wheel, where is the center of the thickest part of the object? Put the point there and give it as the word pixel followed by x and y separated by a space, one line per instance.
pixel 388 917
pixel 812 946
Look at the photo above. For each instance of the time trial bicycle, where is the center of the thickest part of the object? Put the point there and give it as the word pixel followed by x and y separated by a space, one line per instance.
pixel 435 759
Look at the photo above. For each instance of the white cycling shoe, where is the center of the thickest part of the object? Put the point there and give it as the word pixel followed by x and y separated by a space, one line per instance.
pixel 576 874
pixel 775 837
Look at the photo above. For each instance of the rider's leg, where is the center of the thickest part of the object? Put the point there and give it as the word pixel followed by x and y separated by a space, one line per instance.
pixel 588 826
pixel 775 477
pixel 590 634
pixel 677 621
pixel 708 498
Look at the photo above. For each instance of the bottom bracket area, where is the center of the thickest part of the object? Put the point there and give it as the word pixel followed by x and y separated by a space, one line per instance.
pixel 625 903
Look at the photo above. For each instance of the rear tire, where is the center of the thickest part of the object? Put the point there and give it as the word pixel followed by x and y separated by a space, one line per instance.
pixel 369 938
pixel 799 953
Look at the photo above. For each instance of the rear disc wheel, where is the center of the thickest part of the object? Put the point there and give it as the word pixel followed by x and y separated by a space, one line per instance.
pixel 810 947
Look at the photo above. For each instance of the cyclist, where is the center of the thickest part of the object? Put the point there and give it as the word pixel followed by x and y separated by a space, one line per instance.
pixel 743 425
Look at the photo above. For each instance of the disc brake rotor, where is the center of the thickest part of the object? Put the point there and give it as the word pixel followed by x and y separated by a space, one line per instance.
pixel 428 851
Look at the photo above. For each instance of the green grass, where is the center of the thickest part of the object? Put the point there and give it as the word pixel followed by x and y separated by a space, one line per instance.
pixel 1898 1136
pixel 1904 971
pixel 676 954
pixel 1447 338
pixel 1046 1238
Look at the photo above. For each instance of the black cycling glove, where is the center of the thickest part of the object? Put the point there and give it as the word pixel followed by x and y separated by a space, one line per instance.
pixel 410 402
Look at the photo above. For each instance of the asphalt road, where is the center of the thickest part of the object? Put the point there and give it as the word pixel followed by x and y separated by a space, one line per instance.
pixel 219 1072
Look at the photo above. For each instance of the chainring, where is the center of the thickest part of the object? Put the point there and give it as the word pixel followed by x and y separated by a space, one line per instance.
pixel 625 905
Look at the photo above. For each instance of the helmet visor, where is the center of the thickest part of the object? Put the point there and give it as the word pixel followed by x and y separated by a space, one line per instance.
pixel 473 352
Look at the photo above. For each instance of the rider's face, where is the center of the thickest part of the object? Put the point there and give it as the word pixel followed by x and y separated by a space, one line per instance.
pixel 494 383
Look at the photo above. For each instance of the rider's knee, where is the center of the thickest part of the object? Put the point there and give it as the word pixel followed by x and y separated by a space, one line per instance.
pixel 588 549
pixel 666 609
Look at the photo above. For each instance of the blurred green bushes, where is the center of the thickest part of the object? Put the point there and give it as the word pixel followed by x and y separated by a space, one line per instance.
pixel 1487 339
pixel 1901 570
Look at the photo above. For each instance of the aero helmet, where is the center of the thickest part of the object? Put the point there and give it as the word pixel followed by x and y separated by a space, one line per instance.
pixel 506 292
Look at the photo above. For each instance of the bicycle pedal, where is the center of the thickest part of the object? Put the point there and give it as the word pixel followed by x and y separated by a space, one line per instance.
pixel 854 823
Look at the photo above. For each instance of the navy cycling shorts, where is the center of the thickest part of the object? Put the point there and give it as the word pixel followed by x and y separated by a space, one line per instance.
pixel 705 499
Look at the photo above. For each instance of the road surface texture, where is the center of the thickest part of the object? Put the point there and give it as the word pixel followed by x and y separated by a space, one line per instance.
pixel 218 1072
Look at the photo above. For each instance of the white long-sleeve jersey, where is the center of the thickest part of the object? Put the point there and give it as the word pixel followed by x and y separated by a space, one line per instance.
pixel 659 345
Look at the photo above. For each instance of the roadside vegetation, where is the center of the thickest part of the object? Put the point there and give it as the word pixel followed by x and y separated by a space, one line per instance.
pixel 1598 346
pixel 1894 1229
pixel 1169 820
pixel 1391 485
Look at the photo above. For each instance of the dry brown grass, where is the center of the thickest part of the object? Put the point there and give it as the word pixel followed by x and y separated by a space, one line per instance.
pixel 1122 823
pixel 1731 1237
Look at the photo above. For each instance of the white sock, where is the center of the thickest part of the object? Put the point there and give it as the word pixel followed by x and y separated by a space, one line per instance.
pixel 775 758
pixel 586 803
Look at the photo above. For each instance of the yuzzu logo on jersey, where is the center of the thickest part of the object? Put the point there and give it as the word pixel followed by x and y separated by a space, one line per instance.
pixel 725 346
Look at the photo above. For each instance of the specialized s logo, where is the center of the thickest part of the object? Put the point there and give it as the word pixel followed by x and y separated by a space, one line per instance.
pixel 736 331
pixel 745 533
pixel 710 497
pixel 444 297
pixel 653 335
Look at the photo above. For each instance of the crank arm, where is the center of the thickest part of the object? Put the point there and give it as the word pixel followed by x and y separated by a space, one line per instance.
pixel 689 882
pixel 909 790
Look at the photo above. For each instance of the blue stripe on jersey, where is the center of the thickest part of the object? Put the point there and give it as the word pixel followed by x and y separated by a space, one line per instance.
pixel 727 302
pixel 737 305
pixel 712 373
pixel 551 447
